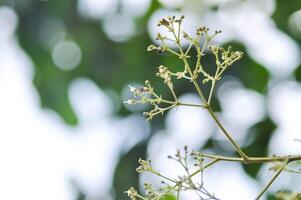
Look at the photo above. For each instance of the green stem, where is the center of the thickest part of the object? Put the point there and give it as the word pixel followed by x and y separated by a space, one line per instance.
pixel 271 181
pixel 211 91
pixel 252 160
pixel 205 167
pixel 178 103
pixel 214 81
pixel 232 141
pixel 200 93
pixel 192 105
pixel 164 177
pixel 173 93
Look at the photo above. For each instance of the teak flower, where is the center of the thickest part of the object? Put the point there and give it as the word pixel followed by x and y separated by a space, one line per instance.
pixel 195 75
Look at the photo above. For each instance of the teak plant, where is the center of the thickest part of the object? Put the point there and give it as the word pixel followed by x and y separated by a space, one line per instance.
pixel 195 75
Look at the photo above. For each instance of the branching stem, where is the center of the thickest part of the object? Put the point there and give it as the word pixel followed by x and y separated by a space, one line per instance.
pixel 229 137
pixel 224 58
pixel 272 180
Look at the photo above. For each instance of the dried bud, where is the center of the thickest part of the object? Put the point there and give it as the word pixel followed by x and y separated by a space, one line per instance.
pixel 164 22
pixel 159 37
pixel 161 49
pixel 144 90
pixel 185 35
pixel 202 29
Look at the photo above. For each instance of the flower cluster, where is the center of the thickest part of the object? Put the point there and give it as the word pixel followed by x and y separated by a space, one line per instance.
pixel 145 166
pixel 147 94
pixel 173 25
pixel 286 195
pixel 142 95
pixel 132 193
pixel 196 74
pixel 175 185
pixel 164 73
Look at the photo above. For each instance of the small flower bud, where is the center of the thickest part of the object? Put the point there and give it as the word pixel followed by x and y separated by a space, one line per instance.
pixel 185 35
pixel 206 80
pixel 151 47
pixel 164 22
pixel 132 193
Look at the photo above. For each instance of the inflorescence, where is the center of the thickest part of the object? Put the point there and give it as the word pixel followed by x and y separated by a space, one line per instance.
pixel 196 75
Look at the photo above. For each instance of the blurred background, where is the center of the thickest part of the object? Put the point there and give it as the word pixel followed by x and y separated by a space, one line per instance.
pixel 65 67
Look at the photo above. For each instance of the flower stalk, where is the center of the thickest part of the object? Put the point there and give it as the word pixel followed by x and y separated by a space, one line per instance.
pixel 224 58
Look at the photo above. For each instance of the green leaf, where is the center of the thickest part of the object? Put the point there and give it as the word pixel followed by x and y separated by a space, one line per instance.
pixel 259 135
pixel 125 175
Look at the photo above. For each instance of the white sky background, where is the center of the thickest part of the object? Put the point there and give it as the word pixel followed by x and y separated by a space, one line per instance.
pixel 39 153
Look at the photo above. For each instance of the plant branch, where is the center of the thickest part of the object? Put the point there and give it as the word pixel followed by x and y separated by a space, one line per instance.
pixel 272 180
pixel 253 160
pixel 229 137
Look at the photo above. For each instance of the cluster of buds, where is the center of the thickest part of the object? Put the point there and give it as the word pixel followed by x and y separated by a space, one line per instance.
pixel 228 57
pixel 224 58
pixel 173 25
pixel 164 73
pixel 178 156
pixel 145 166
pixel 150 192
pixel 158 49
pixel 132 193
pixel 181 183
pixel 150 115
pixel 198 157
pixel 147 94
pixel 157 110
pixel 201 30
pixel 169 21
pixel 142 95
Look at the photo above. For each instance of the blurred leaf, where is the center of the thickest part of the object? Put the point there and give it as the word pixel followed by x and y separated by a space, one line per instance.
pixel 283 12
pixel 297 73
pixel 169 197
pixel 125 175
pixel 109 64
pixel 259 135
